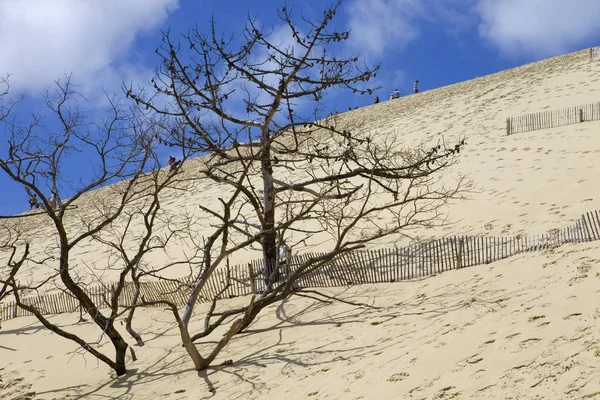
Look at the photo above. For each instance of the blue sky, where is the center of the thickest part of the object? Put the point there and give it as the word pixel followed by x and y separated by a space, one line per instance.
pixel 438 42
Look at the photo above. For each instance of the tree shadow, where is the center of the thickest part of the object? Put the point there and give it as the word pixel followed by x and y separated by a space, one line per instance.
pixel 29 329
pixel 266 352
pixel 266 356
pixel 36 326
pixel 292 320
pixel 125 383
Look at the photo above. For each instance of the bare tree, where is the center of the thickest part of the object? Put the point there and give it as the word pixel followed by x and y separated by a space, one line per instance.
pixel 61 158
pixel 131 246
pixel 254 107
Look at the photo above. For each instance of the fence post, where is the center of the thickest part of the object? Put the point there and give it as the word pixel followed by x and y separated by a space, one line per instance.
pixel 252 283
pixel 581 115
pixel 459 253
pixel 508 126
pixel 288 260
pixel 588 235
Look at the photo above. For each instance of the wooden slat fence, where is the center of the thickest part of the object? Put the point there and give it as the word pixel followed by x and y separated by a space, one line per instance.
pixel 594 53
pixel 553 119
pixel 358 267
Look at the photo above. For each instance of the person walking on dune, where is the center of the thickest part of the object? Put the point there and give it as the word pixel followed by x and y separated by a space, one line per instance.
pixel 52 201
pixel 416 87
pixel 33 202
pixel 173 164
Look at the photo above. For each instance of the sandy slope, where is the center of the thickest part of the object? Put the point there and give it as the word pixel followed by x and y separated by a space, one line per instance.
pixel 523 327
pixel 537 180
pixel 526 327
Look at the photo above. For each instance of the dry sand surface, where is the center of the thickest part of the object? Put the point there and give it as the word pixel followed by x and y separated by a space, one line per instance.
pixel 524 183
pixel 523 327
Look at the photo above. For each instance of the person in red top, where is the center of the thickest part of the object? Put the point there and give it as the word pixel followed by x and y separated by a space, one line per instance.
pixel 173 163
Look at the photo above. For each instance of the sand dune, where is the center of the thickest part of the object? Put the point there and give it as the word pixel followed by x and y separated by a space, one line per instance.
pixel 523 327
pixel 538 180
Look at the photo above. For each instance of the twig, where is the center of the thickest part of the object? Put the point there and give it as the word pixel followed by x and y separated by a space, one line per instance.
pixel 352 303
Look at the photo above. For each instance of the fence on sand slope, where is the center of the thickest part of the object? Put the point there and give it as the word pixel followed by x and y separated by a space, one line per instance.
pixel 556 118
pixel 553 119
pixel 358 267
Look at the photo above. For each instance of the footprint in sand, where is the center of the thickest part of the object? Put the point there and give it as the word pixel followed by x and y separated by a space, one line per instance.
pixel 483 389
pixel 16 389
pixel 536 317
pixel 474 359
pixel 448 393
pixel 525 344
pixel 398 377
pixel 477 374
pixel 572 315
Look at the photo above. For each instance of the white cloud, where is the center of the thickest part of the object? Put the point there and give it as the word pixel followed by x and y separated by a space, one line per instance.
pixel 538 27
pixel 389 25
pixel 41 40
pixel 377 25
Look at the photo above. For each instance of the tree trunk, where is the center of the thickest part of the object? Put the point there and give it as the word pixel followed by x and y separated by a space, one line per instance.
pixel 269 239
pixel 254 310
pixel 120 350
pixel 190 347
pixel 129 319
pixel 235 328
pixel 107 325
pixel 120 345
pixel 189 307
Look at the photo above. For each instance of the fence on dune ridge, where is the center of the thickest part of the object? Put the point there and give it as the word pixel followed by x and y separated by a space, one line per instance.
pixel 358 267
pixel 553 119
pixel 595 53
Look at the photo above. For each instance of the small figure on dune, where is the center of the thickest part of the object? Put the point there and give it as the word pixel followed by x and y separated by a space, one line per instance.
pixel 52 201
pixel 173 164
pixel 33 202
pixel 284 260
pixel 395 94
pixel 416 87
pixel 376 100
pixel 283 253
